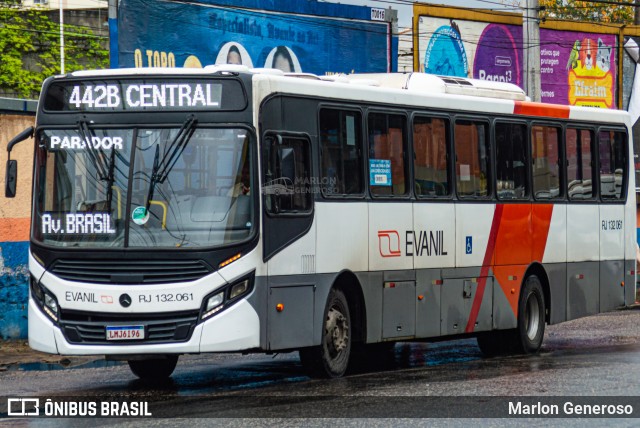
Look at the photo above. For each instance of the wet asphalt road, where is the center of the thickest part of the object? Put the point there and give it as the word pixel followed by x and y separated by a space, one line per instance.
pixel 595 356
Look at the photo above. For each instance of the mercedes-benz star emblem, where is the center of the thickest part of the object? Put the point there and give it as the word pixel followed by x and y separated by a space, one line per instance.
pixel 125 300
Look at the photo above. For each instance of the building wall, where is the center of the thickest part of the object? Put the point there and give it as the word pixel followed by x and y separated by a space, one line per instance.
pixel 14 229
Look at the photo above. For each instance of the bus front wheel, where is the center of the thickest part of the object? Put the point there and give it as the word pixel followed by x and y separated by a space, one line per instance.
pixel 156 368
pixel 331 358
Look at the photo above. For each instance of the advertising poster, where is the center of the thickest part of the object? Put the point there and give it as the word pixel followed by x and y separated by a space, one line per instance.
pixel 197 34
pixel 576 68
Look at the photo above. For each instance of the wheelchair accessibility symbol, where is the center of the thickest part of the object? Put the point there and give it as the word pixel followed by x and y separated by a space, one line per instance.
pixel 469 245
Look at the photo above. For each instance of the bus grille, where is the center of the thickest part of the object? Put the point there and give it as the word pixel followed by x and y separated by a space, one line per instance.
pixel 91 329
pixel 130 271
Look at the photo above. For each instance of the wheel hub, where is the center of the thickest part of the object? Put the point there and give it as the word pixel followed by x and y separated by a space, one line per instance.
pixel 532 317
pixel 337 330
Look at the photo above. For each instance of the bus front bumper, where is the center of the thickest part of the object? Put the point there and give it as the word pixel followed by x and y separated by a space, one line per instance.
pixel 235 329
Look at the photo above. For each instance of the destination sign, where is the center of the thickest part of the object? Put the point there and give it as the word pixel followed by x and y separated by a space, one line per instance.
pixel 77 224
pixel 145 95
pixel 73 142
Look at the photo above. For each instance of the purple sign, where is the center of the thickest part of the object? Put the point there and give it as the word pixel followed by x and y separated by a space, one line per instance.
pixel 578 68
pixel 498 56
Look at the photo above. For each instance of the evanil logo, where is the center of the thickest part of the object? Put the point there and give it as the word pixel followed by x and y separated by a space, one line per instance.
pixel 417 243
pixel 389 243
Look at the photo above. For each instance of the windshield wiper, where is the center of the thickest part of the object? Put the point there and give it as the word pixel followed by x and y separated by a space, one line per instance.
pixel 111 179
pixel 162 167
pixel 153 180
pixel 95 156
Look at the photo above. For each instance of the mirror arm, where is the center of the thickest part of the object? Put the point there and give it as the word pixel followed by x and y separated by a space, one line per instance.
pixel 27 133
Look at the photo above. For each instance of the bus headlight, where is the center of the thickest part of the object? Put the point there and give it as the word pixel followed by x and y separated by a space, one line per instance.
pixel 226 296
pixel 214 304
pixel 51 303
pixel 239 289
pixel 45 300
pixel 36 291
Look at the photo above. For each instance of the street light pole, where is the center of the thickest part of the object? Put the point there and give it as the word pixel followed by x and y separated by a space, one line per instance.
pixel 531 47
pixel 61 38
pixel 113 33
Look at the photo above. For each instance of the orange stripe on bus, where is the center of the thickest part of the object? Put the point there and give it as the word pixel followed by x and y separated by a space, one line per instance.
pixel 528 108
pixel 522 244
pixel 14 229
pixel 517 238
pixel 484 271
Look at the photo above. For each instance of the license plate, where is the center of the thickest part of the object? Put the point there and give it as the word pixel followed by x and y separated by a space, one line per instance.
pixel 125 332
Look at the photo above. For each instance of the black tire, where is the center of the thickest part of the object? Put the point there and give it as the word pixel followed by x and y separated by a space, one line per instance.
pixel 371 357
pixel 495 343
pixel 531 317
pixel 331 358
pixel 527 337
pixel 154 369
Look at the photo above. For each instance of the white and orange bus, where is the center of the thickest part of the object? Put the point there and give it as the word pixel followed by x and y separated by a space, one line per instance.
pixel 234 210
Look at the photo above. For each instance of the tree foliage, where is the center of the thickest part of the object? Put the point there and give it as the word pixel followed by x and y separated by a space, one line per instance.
pixel 588 11
pixel 30 49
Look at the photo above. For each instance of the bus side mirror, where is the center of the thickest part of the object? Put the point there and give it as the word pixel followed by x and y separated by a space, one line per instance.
pixel 11 178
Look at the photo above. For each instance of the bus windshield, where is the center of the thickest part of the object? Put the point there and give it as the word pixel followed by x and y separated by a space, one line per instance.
pixel 184 186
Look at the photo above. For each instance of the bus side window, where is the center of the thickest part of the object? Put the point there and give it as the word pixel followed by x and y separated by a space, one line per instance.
pixel 387 148
pixel 431 169
pixel 579 148
pixel 472 159
pixel 545 150
pixel 613 164
pixel 341 152
pixel 287 183
pixel 512 161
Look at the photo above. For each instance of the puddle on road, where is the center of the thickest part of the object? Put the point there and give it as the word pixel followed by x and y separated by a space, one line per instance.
pixel 71 365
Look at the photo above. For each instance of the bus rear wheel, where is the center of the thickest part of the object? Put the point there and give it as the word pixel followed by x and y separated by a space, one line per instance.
pixel 154 369
pixel 527 337
pixel 331 358
pixel 531 317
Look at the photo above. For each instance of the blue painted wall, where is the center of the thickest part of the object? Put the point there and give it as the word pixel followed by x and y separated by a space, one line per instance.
pixel 14 291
